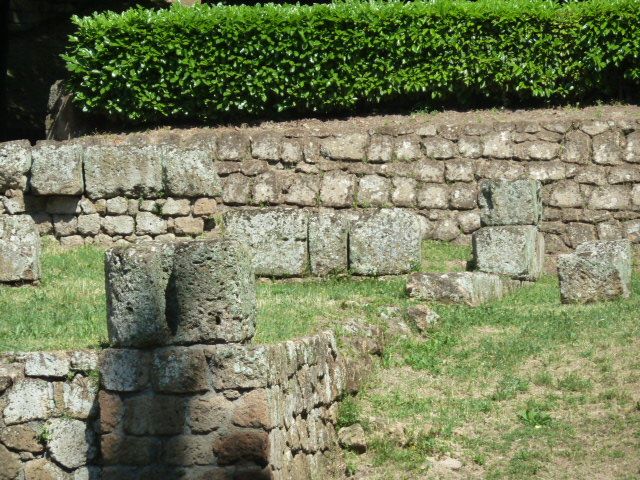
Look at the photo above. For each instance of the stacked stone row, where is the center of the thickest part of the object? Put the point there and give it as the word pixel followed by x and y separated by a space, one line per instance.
pixel 48 420
pixel 589 171
pixel 184 396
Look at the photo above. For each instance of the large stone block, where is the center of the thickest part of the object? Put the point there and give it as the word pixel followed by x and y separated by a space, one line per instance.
pixel 470 288
pixel 123 170
pixel 328 242
pixel 277 239
pixel 29 400
pixel 211 296
pixel 180 370
pixel 385 242
pixel 71 443
pixel 596 271
pixel 15 162
pixel 137 279
pixel 516 251
pixel 57 169
pixel 190 172
pixel 19 249
pixel 504 202
pixel 124 370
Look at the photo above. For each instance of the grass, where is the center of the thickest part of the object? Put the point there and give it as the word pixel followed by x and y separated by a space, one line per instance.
pixel 519 388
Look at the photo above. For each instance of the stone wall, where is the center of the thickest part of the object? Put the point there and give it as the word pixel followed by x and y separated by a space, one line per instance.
pixel 48 415
pixel 173 183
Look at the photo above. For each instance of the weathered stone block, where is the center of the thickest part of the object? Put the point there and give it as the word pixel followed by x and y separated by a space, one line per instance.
pixel 517 202
pixel 189 450
pixel 385 242
pixel 42 468
pixel 328 235
pixel 47 364
pixel 180 370
pixel 124 370
pixel 19 249
pixel 373 191
pixel 10 465
pixel 516 251
pixel 607 148
pixel 438 148
pixel 188 226
pixel 71 444
pixel 596 271
pixel 344 147
pixel 211 295
pixel 57 169
pixel 208 412
pixel 498 145
pixel 22 437
pixel 277 239
pixel 236 189
pixel 470 288
pixel 137 279
pixel 154 415
pixel 29 400
pixel 118 449
pixel 15 162
pixel 337 189
pixel 123 170
pixel 243 445
pixel 79 398
pixel 117 205
pixel 149 224
pixel 89 224
pixel 190 172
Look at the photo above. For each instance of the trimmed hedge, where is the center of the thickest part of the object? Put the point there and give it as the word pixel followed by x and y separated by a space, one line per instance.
pixel 209 63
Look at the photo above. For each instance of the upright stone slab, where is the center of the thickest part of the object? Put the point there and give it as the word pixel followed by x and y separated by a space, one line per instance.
pixel 137 278
pixel 516 251
pixel 596 271
pixel 504 202
pixel 15 162
pixel 470 288
pixel 328 242
pixel 19 249
pixel 277 239
pixel 211 296
pixel 386 242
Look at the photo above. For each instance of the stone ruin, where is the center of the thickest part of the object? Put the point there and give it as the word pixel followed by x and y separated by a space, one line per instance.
pixel 507 250
pixel 19 249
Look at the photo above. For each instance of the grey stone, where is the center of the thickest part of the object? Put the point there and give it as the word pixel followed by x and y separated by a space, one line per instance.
pixel 123 170
pixel 20 249
pixel 15 162
pixel 438 148
pixel 433 195
pixel 462 197
pixel 84 360
pixel 233 146
pixel 337 189
pixel 189 172
pixel 404 192
pixel 607 148
pixel 188 226
pixel 373 191
pixel 385 242
pixel 613 197
pixel 137 279
pixel 624 174
pixel 46 364
pixel 429 171
pixel 469 288
pixel 565 195
pixel 176 208
pixel 469 222
pixel 65 225
pixel 72 241
pixel 595 127
pixel 236 189
pixel 470 147
pixel 195 314
pixel 277 239
pixel 117 205
pixel 328 235
pixel 291 152
pixel 180 370
pixel 57 169
pixel 516 251
pixel 349 146
pixel 632 150
pixel 124 370
pixel 407 148
pixel 422 317
pixel 547 171
pixel 120 225
pixel 149 224
pixel 459 171
pixel 445 230
pixel 28 400
pixel 596 271
pixel 72 444
pixel 89 224
pixel 516 202
pixel 380 149
pixel 79 397
pixel 14 202
pixel 303 191
pixel 266 147
pixel 498 145
pixel 10 466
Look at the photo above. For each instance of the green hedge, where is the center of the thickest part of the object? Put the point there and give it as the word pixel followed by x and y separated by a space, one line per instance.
pixel 212 62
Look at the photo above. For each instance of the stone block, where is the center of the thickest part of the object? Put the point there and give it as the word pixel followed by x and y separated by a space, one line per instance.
pixel 154 415
pixel 20 249
pixel 631 152
pixel 236 189
pixel 211 296
pixel 111 411
pixel 607 148
pixel 613 197
pixel 328 236
pixel 188 226
pixel 137 278
pixel 516 251
pixel 10 465
pixel 277 239
pixel 404 192
pixel 71 443
pixel 498 145
pixel 149 224
pixel 373 191
pixel 233 146
pixel 469 288
pixel 349 146
pixel 337 189
pixel 517 202
pixel 57 169
pixel 180 370
pixel 63 205
pixel 596 271
pixel 208 412
pixel 176 208
pixel 89 224
pixel 117 205
pixel 65 225
pixel 380 149
pixel 385 242
pixel 79 398
pixel 240 368
pixel 433 195
pixel 242 445
pixel 29 400
pixel 438 148
pixel 190 172
pixel 123 170
pixel 205 207
pixel 47 364
pixel 124 370
pixel 265 147
pixel 43 469
pixel 121 225
pixel 22 437
pixel 407 148
pixel 303 191
pixel 188 450
pixel 118 449
pixel 15 162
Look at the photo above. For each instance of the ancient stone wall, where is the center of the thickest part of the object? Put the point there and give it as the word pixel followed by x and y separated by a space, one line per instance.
pixel 173 183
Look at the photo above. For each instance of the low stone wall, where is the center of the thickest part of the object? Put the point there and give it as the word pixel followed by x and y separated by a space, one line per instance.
pixel 48 415
pixel 173 183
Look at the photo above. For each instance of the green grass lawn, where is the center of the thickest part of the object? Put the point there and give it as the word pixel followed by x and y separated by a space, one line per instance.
pixel 520 388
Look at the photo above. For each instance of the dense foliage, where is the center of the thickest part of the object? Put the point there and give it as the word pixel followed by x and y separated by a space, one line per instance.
pixel 213 62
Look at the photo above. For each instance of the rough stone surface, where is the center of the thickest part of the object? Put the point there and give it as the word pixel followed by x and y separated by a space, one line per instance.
pixel 180 370
pixel 385 242
pixel 57 169
pixel 344 147
pixel 337 189
pixel 328 243
pixel 596 271
pixel 15 162
pixel 353 438
pixel 469 288
pixel 47 364
pixel 276 237
pixel 29 400
pixel 516 251
pixel 43 469
pixel 9 464
pixel 422 317
pixel 194 314
pixel 190 173
pixel 149 224
pixel 124 370
pixel 137 278
pixel 19 249
pixel 510 203
pixel 70 444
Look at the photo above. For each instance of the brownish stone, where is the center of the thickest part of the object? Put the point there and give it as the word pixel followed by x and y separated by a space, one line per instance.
pixel 189 450
pixel 180 370
pixel 252 410
pixel 23 437
pixel 127 450
pixel 242 445
pixel 154 415
pixel 111 411
pixel 9 464
pixel 208 412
